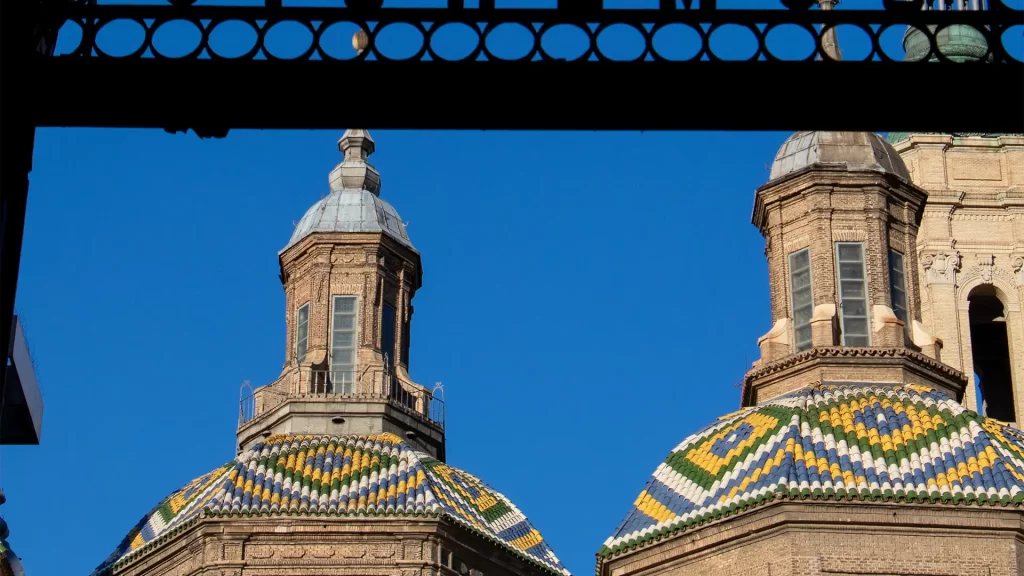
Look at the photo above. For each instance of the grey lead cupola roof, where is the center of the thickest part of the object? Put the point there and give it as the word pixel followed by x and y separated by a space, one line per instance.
pixel 853 150
pixel 354 204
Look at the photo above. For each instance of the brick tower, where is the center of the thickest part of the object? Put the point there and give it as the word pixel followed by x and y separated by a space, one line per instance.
pixel 340 467
pixel 852 453
pixel 350 273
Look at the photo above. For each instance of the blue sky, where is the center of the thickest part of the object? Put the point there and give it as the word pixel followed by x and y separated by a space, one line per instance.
pixel 589 299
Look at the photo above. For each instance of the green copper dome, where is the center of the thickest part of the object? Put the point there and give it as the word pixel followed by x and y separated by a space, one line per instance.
pixel 959 43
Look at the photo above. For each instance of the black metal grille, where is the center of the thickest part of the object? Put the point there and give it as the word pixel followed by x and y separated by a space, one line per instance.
pixel 648 25
pixel 243 81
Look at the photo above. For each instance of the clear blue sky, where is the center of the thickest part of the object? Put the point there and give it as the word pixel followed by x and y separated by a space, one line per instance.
pixel 588 300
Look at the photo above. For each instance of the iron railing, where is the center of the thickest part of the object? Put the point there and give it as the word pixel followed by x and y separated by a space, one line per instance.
pixel 327 31
pixel 309 383
pixel 195 65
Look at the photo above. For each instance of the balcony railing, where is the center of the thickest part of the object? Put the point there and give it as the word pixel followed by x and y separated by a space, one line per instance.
pixel 330 384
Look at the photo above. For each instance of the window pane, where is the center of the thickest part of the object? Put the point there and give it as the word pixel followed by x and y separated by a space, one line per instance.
pixel 853 303
pixel 851 270
pixel 851 340
pixel 855 308
pixel 855 326
pixel 343 345
pixel 802 316
pixel 802 297
pixel 387 332
pixel 850 252
pixel 852 289
pixel 897 285
pixel 801 259
pixel 302 332
pixel 803 334
pixel 899 300
pixel 801 279
pixel 342 356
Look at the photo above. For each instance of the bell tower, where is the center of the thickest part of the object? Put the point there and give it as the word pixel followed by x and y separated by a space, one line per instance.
pixel 349 274
pixel 840 217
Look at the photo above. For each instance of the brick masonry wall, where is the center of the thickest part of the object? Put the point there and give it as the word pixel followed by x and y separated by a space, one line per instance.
pixel 324 547
pixel 831 539
pixel 972 235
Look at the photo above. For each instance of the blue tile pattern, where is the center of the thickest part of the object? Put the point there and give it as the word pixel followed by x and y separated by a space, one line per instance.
pixel 862 442
pixel 341 476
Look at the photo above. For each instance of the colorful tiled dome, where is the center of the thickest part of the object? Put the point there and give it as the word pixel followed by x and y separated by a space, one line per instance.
pixel 855 442
pixel 340 476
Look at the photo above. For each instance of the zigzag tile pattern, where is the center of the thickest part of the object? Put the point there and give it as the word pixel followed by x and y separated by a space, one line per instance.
pixel 341 476
pixel 863 442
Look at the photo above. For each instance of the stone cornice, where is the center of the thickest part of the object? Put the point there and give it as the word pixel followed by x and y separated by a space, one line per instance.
pixel 846 352
pixel 965 141
pixel 836 178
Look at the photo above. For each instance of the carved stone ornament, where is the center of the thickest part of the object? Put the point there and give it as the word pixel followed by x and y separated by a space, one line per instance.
pixel 941 267
pixel 321 280
pixel 986 270
pixel 1017 265
pixel 986 264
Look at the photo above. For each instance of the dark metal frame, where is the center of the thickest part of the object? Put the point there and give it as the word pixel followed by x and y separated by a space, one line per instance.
pixel 211 95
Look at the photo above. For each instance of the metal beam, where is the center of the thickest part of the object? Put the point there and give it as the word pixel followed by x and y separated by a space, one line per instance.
pixel 216 95
pixel 535 91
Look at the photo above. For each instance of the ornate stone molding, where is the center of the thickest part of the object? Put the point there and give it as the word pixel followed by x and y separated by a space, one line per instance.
pixel 985 267
pixel 986 270
pixel 842 351
pixel 1017 265
pixel 941 267
pixel 973 217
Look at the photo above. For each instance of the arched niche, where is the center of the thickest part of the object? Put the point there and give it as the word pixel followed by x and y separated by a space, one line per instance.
pixel 992 331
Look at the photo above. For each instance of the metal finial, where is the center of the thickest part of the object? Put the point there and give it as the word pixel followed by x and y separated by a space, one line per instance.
pixel 829 42
pixel 360 40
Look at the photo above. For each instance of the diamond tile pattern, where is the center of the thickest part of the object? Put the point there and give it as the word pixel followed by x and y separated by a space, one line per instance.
pixel 341 476
pixel 861 442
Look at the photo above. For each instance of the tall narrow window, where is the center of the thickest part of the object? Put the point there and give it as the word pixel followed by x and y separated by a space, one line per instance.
pixel 853 295
pixel 803 303
pixel 387 334
pixel 301 332
pixel 898 286
pixel 343 346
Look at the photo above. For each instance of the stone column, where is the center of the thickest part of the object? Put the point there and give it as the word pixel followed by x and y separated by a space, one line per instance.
pixel 940 268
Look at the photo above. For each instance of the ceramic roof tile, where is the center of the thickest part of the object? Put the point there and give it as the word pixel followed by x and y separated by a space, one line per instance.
pixel 341 476
pixel 860 442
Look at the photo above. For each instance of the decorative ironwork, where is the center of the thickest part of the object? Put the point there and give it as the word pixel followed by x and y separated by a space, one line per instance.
pixel 654 29
pixel 451 68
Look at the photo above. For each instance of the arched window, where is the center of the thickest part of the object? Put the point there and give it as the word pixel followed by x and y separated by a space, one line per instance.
pixel 990 352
